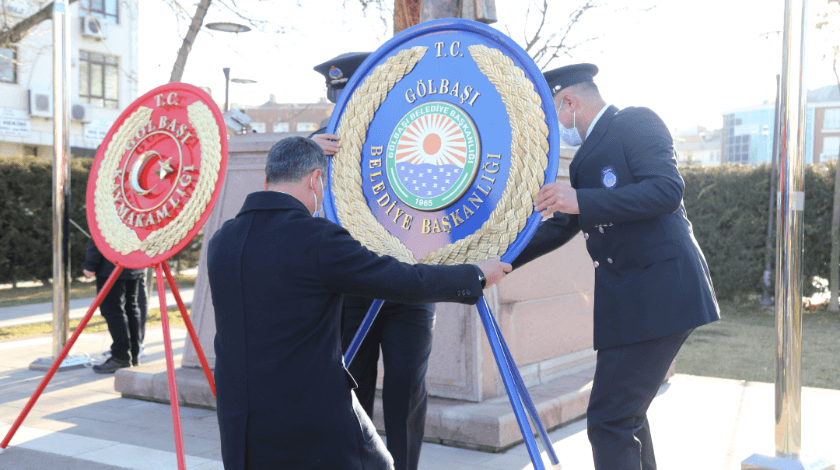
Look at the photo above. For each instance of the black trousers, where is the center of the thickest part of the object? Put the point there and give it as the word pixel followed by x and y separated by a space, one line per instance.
pixel 143 303
pixel 404 334
pixel 627 379
pixel 121 311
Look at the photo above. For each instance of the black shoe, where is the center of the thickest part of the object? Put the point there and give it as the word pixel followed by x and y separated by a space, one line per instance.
pixel 110 366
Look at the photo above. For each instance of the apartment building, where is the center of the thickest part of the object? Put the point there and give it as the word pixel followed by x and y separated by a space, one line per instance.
pixel 103 49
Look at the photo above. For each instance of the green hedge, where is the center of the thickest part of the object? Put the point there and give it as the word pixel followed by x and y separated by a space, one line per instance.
pixel 26 220
pixel 728 207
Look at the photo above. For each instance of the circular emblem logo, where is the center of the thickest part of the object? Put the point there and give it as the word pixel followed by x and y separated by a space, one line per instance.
pixel 432 156
pixel 153 187
pixel 157 175
pixel 609 179
pixel 448 131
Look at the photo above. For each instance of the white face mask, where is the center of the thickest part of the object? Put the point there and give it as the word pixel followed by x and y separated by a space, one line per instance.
pixel 317 212
pixel 571 136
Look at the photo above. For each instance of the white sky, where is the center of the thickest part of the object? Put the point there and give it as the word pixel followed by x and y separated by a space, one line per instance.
pixel 687 60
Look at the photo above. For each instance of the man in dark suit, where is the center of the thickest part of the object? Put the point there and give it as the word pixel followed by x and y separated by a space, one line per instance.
pixel 652 284
pixel 122 309
pixel 277 278
pixel 402 331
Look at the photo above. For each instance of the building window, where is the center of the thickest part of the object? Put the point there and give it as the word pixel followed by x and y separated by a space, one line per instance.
pixel 106 9
pixel 306 127
pixel 737 149
pixel 281 127
pixel 831 149
pixel 832 119
pixel 258 127
pixel 98 79
pixel 8 65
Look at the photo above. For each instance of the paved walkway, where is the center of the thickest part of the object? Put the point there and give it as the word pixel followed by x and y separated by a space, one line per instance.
pixel 39 313
pixel 81 423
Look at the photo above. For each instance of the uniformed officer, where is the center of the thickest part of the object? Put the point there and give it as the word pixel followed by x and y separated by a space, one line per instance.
pixel 652 284
pixel 337 72
pixel 403 332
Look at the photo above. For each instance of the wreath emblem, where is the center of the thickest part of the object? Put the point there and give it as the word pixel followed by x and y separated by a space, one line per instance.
pixel 529 150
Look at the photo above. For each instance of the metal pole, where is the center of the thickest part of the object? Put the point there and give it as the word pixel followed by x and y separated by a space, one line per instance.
pixel 226 70
pixel 769 247
pixel 61 175
pixel 789 247
pixel 526 397
pixel 362 331
pixel 789 235
pixel 507 378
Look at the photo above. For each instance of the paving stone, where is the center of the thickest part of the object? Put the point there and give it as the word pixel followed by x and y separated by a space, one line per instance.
pixel 66 444
pixel 138 458
pixel 697 423
pixel 25 459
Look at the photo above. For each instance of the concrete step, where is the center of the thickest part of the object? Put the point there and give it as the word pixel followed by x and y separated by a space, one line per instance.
pixel 489 426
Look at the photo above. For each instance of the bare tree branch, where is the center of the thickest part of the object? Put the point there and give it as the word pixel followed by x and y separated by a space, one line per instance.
pixel 536 37
pixel 385 8
pixel 189 39
pixel 546 48
pixel 258 24
pixel 20 29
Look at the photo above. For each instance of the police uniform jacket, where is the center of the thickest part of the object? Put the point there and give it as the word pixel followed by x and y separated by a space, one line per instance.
pixel 651 278
pixel 277 278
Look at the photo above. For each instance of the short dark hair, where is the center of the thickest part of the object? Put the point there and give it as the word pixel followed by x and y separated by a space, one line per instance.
pixel 292 158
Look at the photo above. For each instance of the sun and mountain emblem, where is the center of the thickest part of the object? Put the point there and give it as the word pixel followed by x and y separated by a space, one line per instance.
pixel 432 156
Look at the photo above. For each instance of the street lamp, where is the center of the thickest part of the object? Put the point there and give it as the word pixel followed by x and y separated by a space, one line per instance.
pixel 226 70
pixel 246 81
pixel 228 27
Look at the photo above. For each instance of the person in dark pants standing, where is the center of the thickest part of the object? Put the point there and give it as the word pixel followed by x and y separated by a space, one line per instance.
pixel 652 284
pixel 403 332
pixel 121 309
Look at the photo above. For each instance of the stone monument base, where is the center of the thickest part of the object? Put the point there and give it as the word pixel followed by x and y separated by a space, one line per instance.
pixel 489 426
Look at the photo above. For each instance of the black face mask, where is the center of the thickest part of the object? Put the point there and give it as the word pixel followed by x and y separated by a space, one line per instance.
pixel 333 94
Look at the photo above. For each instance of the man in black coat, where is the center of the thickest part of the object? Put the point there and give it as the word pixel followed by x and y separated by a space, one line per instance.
pixel 652 284
pixel 402 331
pixel 121 308
pixel 278 278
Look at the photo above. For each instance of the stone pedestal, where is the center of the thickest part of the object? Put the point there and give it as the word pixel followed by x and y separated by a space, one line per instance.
pixel 543 309
pixel 245 174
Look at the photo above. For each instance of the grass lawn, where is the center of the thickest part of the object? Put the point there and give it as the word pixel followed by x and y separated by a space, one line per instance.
pixel 79 289
pixel 742 345
pixel 96 324
pixel 40 294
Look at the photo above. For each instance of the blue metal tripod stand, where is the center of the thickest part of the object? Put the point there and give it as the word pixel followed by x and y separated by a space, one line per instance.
pixel 515 386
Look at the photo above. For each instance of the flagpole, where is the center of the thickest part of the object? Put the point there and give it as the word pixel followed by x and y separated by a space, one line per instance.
pixel 789 247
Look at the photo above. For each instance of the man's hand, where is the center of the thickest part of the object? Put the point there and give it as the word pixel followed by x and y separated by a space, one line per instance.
pixel 494 270
pixel 557 197
pixel 328 143
pixel 87 273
